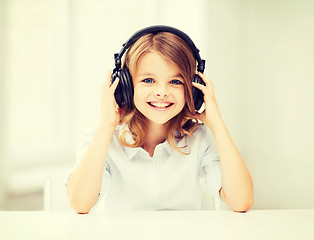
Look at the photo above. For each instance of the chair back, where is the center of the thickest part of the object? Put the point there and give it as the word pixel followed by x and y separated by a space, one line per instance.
pixel 55 197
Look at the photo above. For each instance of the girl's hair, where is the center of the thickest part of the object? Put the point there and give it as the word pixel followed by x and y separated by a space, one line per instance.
pixel 178 52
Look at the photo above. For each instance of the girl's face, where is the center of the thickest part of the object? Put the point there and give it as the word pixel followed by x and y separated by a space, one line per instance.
pixel 158 88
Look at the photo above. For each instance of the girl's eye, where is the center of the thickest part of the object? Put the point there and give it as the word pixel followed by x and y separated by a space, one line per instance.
pixel 148 80
pixel 176 82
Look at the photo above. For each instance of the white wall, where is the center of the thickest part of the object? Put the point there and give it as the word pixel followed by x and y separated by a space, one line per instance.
pixel 279 101
pixel 262 56
pixel 57 53
pixel 2 84
pixel 259 57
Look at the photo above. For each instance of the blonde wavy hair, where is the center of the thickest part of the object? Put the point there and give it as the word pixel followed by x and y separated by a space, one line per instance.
pixel 178 52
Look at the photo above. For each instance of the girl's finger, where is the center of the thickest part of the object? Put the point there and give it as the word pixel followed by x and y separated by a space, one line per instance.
pixel 108 78
pixel 117 108
pixel 200 86
pixel 205 79
pixel 114 85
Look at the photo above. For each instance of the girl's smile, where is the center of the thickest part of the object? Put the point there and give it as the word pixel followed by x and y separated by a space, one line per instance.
pixel 160 106
pixel 158 88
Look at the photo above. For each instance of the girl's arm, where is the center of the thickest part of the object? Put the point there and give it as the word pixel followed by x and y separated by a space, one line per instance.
pixel 85 182
pixel 237 184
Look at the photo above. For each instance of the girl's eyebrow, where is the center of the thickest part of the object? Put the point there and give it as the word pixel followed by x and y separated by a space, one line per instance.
pixel 146 74
pixel 177 75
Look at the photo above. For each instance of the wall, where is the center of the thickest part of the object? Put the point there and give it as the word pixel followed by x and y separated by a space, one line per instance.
pixel 279 104
pixel 262 59
pixel 57 53
pixel 259 57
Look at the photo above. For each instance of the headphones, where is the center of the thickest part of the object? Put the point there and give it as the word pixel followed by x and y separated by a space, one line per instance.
pixel 125 91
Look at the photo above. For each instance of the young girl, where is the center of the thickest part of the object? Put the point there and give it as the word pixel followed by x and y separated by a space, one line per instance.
pixel 151 156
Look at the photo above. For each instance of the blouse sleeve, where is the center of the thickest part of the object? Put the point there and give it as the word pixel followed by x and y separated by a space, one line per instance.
pixel 210 163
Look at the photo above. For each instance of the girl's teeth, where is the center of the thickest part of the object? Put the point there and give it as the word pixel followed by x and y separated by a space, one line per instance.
pixel 160 105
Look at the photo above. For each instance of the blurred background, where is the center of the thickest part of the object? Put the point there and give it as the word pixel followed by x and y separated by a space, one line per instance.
pixel 54 55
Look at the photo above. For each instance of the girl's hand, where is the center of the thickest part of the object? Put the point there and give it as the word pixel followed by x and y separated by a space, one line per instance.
pixel 211 116
pixel 110 111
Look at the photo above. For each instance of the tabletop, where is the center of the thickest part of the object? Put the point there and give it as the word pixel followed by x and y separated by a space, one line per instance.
pixel 254 224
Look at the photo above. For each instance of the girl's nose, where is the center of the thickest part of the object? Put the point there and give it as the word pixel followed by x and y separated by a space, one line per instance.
pixel 161 92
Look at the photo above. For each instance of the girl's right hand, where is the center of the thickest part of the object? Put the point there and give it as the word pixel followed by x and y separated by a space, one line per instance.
pixel 110 111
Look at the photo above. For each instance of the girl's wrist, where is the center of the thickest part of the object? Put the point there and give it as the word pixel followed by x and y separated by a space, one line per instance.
pixel 215 125
pixel 106 129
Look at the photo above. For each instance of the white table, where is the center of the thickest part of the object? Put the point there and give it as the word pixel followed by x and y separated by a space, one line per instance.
pixel 198 225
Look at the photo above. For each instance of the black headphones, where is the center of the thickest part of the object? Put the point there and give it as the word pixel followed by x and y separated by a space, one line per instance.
pixel 125 90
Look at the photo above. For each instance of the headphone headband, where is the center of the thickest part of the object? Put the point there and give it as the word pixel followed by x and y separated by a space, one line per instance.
pixel 156 29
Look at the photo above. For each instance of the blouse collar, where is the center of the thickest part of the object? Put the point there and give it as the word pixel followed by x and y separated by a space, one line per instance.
pixel 164 146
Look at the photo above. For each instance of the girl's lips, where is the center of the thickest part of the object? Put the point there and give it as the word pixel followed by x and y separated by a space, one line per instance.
pixel 168 102
pixel 160 106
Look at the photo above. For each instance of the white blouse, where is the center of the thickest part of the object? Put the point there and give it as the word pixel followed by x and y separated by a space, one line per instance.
pixel 132 180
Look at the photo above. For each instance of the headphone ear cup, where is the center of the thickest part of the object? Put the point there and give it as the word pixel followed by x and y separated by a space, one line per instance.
pixel 125 91
pixel 128 88
pixel 198 96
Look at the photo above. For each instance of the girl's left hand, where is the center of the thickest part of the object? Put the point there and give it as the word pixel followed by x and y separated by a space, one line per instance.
pixel 211 115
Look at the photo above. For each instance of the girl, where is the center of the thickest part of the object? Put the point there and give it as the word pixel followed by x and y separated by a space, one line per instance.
pixel 150 157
